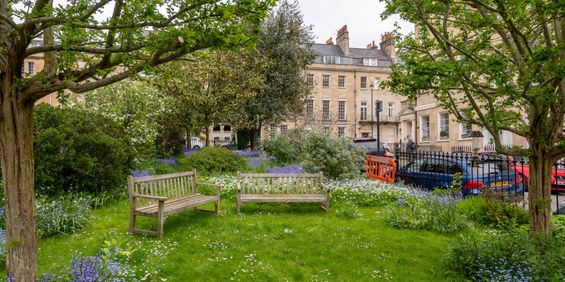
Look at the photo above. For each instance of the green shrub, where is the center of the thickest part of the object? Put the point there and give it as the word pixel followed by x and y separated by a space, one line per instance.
pixel 212 160
pixel 509 256
pixel 76 151
pixel 428 214
pixel 558 224
pixel 282 148
pixel 493 212
pixel 336 157
pixel 62 215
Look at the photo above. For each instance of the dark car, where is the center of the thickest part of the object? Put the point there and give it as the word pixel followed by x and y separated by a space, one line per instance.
pixel 434 172
pixel 373 147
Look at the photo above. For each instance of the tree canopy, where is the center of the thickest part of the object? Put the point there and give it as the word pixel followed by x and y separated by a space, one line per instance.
pixel 88 44
pixel 496 64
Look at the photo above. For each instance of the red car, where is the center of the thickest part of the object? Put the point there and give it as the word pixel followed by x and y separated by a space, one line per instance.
pixel 557 173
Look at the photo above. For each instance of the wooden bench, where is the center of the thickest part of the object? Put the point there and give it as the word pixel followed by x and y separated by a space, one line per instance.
pixel 282 188
pixel 162 195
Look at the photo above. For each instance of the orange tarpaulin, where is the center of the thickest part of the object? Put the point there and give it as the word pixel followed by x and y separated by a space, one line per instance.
pixel 380 168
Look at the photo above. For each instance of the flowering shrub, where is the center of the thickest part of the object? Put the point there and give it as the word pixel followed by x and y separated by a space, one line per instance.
pixel 336 157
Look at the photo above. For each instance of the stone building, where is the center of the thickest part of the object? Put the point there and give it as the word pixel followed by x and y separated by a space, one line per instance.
pixel 345 91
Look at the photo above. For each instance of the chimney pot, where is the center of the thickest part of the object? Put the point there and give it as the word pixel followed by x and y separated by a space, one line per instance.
pixel 330 41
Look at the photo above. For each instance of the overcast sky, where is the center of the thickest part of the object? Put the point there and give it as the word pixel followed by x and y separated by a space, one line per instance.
pixel 362 18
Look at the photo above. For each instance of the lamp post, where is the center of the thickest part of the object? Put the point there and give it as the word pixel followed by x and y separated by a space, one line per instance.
pixel 372 133
pixel 475 135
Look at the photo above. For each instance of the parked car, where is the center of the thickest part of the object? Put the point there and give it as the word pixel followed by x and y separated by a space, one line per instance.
pixel 196 143
pixel 373 148
pixel 523 169
pixel 433 172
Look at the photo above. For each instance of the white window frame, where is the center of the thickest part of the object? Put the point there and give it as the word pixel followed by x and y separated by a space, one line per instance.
pixel 273 131
pixel 462 130
pixel 423 137
pixel 284 128
pixel 334 60
pixel 326 110
pixel 341 131
pixel 363 111
pixel 310 110
pixel 310 79
pixel 329 80
pixel 373 62
pixel 30 68
pixel 341 110
pixel 341 81
pixel 366 83
pixel 442 127
pixel 391 109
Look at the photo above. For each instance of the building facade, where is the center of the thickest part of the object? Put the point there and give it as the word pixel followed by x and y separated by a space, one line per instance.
pixel 346 98
pixel 433 128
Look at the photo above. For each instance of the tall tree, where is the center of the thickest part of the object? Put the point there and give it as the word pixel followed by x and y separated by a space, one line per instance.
pixel 84 50
pixel 212 87
pixel 286 42
pixel 497 64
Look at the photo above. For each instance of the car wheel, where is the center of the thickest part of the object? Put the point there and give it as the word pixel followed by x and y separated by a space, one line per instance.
pixel 196 148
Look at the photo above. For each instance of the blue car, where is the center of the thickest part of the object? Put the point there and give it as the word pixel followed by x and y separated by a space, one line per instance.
pixel 433 172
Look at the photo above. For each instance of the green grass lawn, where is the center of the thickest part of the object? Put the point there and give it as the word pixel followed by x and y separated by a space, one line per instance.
pixel 269 242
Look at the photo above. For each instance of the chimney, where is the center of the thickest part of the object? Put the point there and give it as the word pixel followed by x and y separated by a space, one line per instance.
pixel 330 41
pixel 342 40
pixel 372 45
pixel 388 45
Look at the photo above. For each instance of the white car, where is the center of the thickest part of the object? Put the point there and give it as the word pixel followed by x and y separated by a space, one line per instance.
pixel 196 143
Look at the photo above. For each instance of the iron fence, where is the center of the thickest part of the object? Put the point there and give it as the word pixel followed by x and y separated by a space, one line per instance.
pixel 495 175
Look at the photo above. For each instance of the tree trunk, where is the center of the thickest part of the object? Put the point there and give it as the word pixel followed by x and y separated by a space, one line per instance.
pixel 208 136
pixel 539 192
pixel 253 138
pixel 16 147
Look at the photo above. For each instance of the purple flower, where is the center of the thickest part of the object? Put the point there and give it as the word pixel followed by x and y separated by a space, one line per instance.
pixel 253 153
pixel 172 161
pixel 188 152
pixel 254 162
pixel 85 269
pixel 294 168
pixel 137 173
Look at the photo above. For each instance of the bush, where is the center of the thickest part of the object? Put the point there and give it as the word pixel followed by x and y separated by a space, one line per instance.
pixel 493 212
pixel 336 157
pixel 76 151
pixel 286 148
pixel 505 257
pixel 62 215
pixel 213 160
pixel 428 214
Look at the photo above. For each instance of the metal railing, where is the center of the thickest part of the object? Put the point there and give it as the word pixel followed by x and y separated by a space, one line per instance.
pixel 503 177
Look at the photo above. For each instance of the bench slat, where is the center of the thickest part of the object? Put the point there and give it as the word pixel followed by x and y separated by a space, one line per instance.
pixel 286 198
pixel 175 205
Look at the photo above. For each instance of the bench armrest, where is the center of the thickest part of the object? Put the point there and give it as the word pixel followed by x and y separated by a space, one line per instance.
pixel 327 189
pixel 156 198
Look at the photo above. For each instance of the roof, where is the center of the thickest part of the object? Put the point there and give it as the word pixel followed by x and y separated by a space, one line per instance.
pixel 355 56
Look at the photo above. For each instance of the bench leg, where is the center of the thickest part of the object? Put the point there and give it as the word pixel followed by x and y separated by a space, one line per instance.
pixel 327 205
pixel 238 206
pixel 217 207
pixel 131 222
pixel 160 219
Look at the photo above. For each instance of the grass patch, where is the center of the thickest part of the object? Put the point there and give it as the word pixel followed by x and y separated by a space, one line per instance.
pixel 269 242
